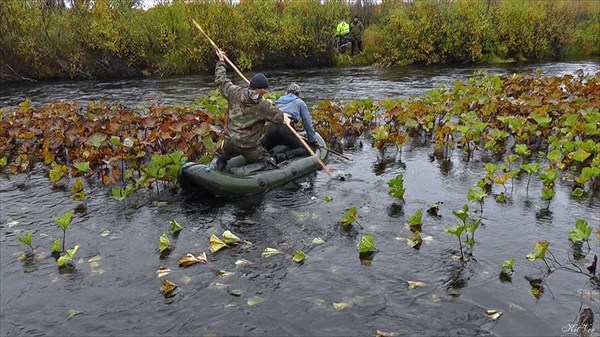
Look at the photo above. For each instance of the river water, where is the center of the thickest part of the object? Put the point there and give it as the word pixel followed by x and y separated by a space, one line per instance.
pixel 114 290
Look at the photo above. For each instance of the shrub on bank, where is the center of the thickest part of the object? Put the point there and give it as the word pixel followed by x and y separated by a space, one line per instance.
pixel 106 39
pixel 482 31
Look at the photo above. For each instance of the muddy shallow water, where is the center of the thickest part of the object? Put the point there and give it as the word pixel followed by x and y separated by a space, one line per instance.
pixel 118 292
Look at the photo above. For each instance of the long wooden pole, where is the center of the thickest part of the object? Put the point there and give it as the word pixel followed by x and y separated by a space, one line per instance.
pixel 336 153
pixel 217 48
pixel 310 150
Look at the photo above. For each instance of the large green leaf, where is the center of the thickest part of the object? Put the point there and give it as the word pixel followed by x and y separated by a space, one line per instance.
pixel 457 230
pixel 462 214
pixel 121 193
pixel 554 156
pixel 64 221
pixel 580 155
pixel 472 227
pixel 82 166
pixel 175 226
pixel 550 175
pixel 57 172
pixel 531 168
pixel 480 126
pixel 68 256
pixel 299 256
pixel 539 251
pixel 396 186
pixel 548 194
pixel 508 264
pixel 349 217
pixel 543 122
pixel 382 134
pixel 56 246
pixel 78 190
pixel 26 239
pixel 476 194
pixel 578 192
pixel 522 150
pixel 416 220
pixel 366 244
pixel 581 232
pixel 163 243
pixel 97 139
pixel 490 168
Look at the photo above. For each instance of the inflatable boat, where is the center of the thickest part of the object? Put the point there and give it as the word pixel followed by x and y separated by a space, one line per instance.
pixel 200 177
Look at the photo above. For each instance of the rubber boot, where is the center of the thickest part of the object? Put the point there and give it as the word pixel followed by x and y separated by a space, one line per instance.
pixel 270 162
pixel 218 164
pixel 279 157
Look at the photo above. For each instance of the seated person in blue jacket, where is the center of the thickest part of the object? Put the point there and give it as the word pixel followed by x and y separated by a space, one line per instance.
pixel 280 134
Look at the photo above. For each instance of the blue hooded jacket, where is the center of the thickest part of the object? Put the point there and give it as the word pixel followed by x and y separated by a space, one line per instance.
pixel 296 107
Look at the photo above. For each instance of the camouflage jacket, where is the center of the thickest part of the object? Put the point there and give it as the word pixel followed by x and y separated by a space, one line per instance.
pixel 247 112
pixel 357 29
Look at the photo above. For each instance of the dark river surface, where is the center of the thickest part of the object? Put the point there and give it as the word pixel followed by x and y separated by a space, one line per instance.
pixel 114 289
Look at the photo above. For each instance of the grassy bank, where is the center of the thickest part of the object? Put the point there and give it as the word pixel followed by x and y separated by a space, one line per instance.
pixel 108 38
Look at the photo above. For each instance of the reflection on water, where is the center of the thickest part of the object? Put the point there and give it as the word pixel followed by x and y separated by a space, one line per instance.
pixel 445 166
pixel 395 210
pixel 544 217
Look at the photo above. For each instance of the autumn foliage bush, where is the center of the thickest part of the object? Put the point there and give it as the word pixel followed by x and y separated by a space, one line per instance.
pixel 106 38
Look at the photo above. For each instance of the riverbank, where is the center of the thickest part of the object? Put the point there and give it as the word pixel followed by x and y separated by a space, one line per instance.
pixel 97 41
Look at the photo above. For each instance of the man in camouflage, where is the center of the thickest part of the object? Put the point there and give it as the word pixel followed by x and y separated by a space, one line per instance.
pixel 247 114
pixel 356 29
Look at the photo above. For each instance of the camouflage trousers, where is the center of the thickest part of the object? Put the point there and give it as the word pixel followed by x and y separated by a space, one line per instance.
pixel 227 150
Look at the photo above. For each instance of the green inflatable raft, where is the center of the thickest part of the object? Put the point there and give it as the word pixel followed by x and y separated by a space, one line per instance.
pixel 200 177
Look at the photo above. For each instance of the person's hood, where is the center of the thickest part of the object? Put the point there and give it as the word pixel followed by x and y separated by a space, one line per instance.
pixel 287 99
pixel 251 97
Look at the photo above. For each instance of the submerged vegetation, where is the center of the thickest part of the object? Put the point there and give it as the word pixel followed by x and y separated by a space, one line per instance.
pixel 547 127
pixel 112 38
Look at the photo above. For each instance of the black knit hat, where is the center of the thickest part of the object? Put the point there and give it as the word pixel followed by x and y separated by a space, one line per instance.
pixel 259 81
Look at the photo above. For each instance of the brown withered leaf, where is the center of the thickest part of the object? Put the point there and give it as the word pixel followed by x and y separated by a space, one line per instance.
pixel 190 259
pixel 162 271
pixel 416 284
pixel 380 333
pixel 493 314
pixel 168 287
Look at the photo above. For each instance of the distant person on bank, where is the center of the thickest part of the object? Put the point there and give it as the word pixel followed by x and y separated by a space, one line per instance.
pixel 341 32
pixel 356 29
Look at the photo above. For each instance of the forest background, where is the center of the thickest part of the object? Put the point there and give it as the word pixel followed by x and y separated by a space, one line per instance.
pixel 45 39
